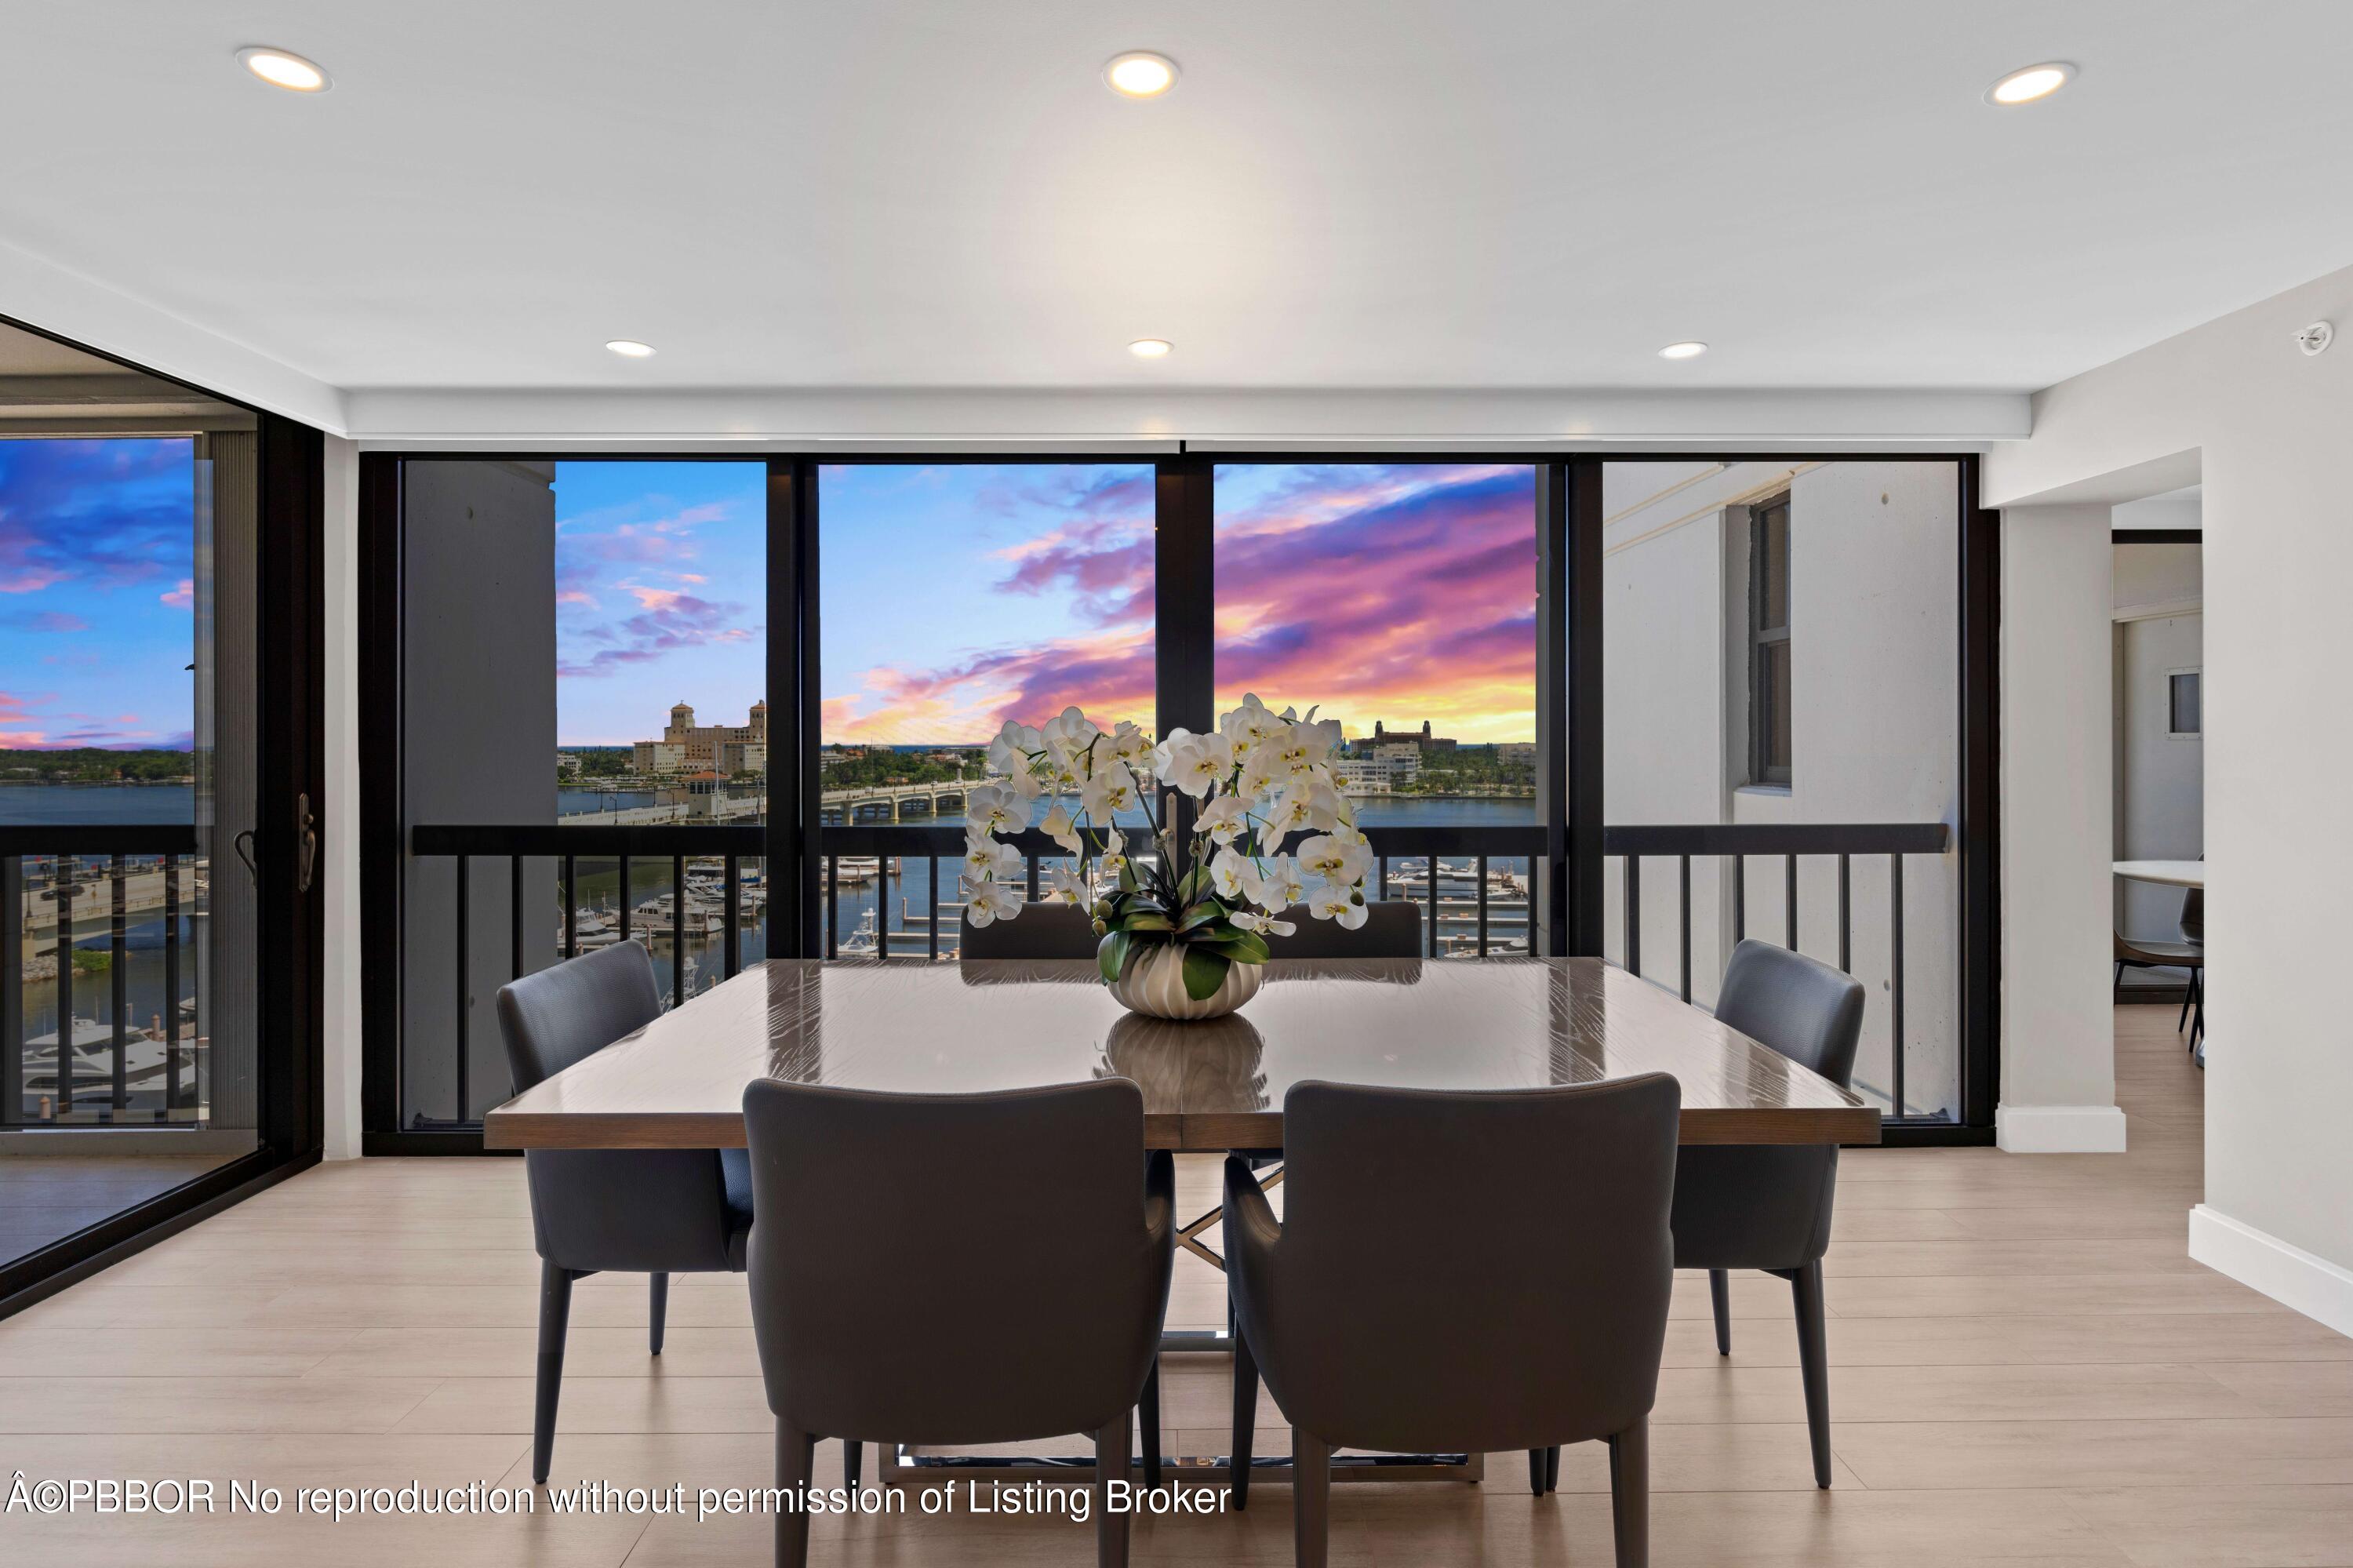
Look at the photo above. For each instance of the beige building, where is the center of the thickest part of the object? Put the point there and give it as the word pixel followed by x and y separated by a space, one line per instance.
pixel 657 756
pixel 704 747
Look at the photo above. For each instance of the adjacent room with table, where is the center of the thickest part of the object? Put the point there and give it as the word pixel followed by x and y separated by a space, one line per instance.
pixel 935 785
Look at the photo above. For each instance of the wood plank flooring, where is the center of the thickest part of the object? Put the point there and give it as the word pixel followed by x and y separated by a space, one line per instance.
pixel 46 1198
pixel 2026 1368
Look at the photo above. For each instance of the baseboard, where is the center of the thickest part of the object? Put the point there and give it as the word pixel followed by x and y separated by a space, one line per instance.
pixel 2059 1129
pixel 2290 1276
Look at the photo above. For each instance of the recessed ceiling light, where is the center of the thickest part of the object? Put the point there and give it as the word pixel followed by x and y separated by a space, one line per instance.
pixel 630 348
pixel 2030 85
pixel 1141 74
pixel 279 69
pixel 1683 351
pixel 1150 347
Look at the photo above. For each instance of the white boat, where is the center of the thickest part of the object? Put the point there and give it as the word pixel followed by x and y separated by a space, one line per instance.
pixel 861 943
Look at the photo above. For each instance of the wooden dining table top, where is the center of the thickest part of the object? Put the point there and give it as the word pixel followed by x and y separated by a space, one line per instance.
pixel 912 1026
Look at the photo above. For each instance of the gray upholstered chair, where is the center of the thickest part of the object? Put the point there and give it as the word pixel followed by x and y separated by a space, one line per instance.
pixel 1045 928
pixel 1392 929
pixel 1059 1298
pixel 1532 1316
pixel 657 1212
pixel 2188 954
pixel 1769 1208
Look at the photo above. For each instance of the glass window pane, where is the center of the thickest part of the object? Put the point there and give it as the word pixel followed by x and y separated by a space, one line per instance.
pixel 956 596
pixel 2185 703
pixel 1399 599
pixel 1777 705
pixel 1774 613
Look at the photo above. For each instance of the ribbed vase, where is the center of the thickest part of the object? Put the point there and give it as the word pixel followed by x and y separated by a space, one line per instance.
pixel 1154 986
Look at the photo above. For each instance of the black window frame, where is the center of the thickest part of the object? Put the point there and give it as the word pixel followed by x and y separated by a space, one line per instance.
pixel 1764 710
pixel 1567 913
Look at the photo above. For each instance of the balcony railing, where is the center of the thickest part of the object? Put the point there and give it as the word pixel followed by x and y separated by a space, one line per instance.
pixel 55 882
pixel 1734 845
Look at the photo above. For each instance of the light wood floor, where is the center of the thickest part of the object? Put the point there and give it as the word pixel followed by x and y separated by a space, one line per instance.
pixel 2026 1367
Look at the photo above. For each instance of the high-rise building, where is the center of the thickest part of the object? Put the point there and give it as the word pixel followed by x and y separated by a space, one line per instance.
pixel 704 747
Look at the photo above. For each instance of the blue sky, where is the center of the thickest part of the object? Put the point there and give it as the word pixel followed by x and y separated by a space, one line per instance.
pixel 97 593
pixel 661 579
pixel 959 595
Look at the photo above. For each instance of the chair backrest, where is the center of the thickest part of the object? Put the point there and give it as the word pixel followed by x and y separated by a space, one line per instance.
pixel 1044 929
pixel 555 1017
pixel 607 1209
pixel 2193 915
pixel 1800 1006
pixel 1392 929
pixel 1475 1271
pixel 956 1269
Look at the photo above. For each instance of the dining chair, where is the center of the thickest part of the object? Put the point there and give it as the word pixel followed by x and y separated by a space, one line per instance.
pixel 1747 1207
pixel 1392 929
pixel 1532 1315
pixel 657 1212
pixel 1056 1320
pixel 2188 954
pixel 1044 929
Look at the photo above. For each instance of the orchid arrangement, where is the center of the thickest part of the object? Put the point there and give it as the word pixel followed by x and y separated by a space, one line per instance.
pixel 1246 789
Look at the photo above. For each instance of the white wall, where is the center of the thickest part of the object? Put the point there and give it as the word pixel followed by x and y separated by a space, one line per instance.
pixel 2058 1043
pixel 1874 680
pixel 2160 776
pixel 2265 429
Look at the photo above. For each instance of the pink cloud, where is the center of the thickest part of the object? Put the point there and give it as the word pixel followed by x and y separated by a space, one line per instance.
pixel 53 621
pixel 182 597
pixel 32 580
pixel 654 597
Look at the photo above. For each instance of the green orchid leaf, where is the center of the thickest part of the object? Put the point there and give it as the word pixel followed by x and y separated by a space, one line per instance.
pixel 1204 971
pixel 1242 948
pixel 1110 956
pixel 1201 915
pixel 1146 920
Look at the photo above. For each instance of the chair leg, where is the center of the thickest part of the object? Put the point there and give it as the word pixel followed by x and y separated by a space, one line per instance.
pixel 2189 990
pixel 1245 1420
pixel 1719 1296
pixel 1813 1360
pixel 555 1314
pixel 851 1454
pixel 1537 1472
pixel 2198 1017
pixel 2117 985
pixel 796 1468
pixel 1552 1468
pixel 658 1311
pixel 1310 1498
pixel 1630 1494
pixel 1148 1419
pixel 1110 1464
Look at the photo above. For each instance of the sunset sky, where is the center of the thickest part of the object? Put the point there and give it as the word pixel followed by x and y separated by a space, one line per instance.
pixel 97 593
pixel 958 595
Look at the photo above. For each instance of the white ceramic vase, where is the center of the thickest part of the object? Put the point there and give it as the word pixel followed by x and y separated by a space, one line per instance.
pixel 1154 986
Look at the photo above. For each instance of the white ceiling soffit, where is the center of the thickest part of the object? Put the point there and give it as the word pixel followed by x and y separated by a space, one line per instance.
pixel 786 196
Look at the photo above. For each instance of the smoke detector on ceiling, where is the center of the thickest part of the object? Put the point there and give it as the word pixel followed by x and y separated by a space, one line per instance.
pixel 2316 337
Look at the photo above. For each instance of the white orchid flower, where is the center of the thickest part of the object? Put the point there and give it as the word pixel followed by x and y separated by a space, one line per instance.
pixel 1264 924
pixel 1068 734
pixel 1014 746
pixel 1337 904
pixel 1309 801
pixel 1108 792
pixel 1223 819
pixel 985 860
pixel 1302 745
pixel 1277 883
pixel 1110 865
pixel 1059 827
pixel 1024 785
pixel 1129 744
pixel 1341 864
pixel 993 809
pixel 1063 882
pixel 992 901
pixel 1228 871
pixel 1196 762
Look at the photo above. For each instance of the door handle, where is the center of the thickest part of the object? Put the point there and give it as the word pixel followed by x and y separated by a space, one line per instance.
pixel 243 843
pixel 306 844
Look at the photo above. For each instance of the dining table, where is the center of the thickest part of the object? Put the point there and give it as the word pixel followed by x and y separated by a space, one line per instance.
pixel 1210 1086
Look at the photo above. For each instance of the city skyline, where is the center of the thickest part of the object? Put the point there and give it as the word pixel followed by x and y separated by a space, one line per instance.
pixel 97 594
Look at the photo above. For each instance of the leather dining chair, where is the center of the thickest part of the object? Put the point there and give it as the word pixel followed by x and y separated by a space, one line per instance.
pixel 1747 1206
pixel 657 1212
pixel 1044 929
pixel 1531 1316
pixel 1057 1315
pixel 1392 929
pixel 2188 954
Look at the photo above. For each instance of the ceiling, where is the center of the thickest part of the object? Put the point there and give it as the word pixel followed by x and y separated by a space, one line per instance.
pixel 1521 194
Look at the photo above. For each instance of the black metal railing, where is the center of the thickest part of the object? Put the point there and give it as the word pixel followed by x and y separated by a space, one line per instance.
pixel 882 852
pixel 56 867
pixel 1736 844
